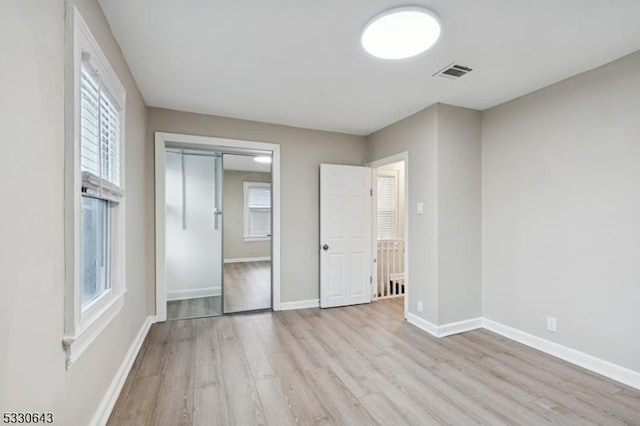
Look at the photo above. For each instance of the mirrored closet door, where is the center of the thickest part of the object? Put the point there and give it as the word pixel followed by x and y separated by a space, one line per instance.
pixel 247 233
pixel 193 233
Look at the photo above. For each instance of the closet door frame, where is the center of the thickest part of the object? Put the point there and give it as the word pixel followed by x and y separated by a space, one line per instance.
pixel 165 140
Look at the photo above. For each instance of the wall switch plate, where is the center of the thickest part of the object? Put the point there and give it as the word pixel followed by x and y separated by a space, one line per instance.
pixel 420 208
pixel 552 324
pixel 420 307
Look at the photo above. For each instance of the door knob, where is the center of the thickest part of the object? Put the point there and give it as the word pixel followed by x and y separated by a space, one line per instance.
pixel 325 247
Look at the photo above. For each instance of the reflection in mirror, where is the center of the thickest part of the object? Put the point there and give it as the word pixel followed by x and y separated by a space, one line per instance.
pixel 247 233
pixel 193 237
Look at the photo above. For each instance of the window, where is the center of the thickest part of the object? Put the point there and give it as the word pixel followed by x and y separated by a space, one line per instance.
pixel 95 249
pixel 387 207
pixel 257 211
pixel 94 194
pixel 100 138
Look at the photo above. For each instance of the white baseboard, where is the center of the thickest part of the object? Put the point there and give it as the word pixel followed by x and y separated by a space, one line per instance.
pixel 110 397
pixel 459 327
pixel 445 329
pixel 193 293
pixel 597 365
pixel 247 259
pixel 301 304
pixel 422 324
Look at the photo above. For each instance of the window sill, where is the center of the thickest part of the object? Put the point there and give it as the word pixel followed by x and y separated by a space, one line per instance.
pixel 252 239
pixel 76 345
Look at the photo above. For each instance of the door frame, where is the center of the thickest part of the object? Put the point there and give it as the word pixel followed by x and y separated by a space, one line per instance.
pixel 225 145
pixel 404 157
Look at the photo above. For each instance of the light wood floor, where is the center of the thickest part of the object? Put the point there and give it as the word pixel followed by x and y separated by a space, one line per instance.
pixel 351 366
pixel 247 286
pixel 194 308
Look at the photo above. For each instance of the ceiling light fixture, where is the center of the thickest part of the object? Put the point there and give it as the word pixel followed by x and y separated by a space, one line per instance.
pixel 401 33
pixel 264 160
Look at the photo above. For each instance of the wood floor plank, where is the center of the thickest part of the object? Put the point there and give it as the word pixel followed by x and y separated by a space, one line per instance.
pixel 342 404
pixel 355 365
pixel 243 404
pixel 383 410
pixel 140 404
pixel 438 405
pixel 174 408
pixel 301 392
pixel 557 413
pixel 210 399
pixel 178 370
pixel 207 342
pixel 569 371
pixel 277 409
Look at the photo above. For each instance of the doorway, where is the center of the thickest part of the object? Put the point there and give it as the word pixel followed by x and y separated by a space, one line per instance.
pixel 202 269
pixel 390 231
pixel 390 224
pixel 363 238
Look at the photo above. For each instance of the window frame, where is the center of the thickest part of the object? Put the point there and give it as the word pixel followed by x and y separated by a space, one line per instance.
pixel 246 210
pixel 82 325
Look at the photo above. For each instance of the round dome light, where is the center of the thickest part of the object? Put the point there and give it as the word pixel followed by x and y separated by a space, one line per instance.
pixel 401 33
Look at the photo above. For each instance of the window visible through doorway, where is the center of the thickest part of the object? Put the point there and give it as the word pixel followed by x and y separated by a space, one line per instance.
pixel 387 207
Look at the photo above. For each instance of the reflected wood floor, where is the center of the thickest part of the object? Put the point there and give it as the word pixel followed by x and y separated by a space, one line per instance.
pixel 355 365
pixel 247 286
pixel 194 308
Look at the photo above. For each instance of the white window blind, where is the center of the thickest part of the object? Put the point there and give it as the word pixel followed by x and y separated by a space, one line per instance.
pixel 258 206
pixel 387 207
pixel 99 139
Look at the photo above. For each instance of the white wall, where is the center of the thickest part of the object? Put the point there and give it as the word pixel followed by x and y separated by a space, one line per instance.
pixel 194 252
pixel 301 152
pixel 235 247
pixel 32 363
pixel 561 212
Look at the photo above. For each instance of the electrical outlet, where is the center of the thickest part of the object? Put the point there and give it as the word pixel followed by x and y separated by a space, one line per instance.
pixel 552 324
pixel 420 307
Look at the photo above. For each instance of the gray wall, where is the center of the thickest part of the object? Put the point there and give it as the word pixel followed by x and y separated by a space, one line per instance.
pixel 443 143
pixel 301 152
pixel 417 134
pixel 561 212
pixel 235 247
pixel 32 365
pixel 458 214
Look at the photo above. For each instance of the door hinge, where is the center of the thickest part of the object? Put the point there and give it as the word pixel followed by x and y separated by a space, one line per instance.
pixel 371 192
pixel 370 280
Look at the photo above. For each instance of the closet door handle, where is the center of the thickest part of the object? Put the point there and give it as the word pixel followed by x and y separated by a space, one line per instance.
pixel 216 221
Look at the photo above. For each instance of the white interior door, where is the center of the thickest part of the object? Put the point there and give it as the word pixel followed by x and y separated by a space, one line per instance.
pixel 345 235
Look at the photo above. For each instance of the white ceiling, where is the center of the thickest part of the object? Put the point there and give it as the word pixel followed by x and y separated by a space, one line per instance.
pixel 300 63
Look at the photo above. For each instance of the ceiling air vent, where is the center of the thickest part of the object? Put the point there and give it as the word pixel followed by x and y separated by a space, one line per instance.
pixel 453 71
